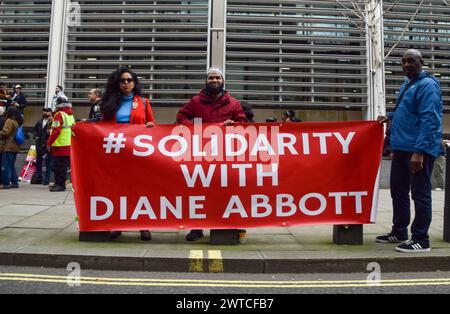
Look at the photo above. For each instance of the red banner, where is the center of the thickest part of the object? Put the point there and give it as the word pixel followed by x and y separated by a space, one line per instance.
pixel 129 177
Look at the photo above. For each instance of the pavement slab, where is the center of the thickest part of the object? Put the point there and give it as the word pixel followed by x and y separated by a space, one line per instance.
pixel 22 210
pixel 6 221
pixel 42 221
pixel 24 236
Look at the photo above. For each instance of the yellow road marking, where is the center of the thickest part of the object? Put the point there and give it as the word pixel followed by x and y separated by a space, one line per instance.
pixel 228 281
pixel 231 284
pixel 196 261
pixel 215 262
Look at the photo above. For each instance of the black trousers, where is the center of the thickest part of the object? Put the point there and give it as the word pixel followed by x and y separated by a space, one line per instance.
pixel 402 182
pixel 1 155
pixel 61 165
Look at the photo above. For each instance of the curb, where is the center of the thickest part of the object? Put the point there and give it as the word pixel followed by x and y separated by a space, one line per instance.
pixel 230 265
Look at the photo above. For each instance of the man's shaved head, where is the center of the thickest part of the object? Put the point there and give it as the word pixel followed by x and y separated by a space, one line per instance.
pixel 412 63
pixel 414 53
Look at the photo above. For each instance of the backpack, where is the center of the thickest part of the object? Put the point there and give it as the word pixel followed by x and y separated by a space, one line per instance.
pixel 20 136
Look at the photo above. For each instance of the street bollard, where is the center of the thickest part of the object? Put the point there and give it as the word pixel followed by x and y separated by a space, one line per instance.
pixel 224 237
pixel 94 236
pixel 447 199
pixel 348 234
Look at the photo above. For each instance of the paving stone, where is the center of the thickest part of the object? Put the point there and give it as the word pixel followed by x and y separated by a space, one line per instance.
pixel 6 221
pixel 45 222
pixel 22 210
pixel 22 236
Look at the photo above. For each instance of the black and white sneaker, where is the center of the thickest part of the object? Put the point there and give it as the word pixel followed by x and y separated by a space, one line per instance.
pixel 390 238
pixel 413 247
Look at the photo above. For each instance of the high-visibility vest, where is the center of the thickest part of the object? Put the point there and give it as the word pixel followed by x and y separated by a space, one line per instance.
pixel 65 137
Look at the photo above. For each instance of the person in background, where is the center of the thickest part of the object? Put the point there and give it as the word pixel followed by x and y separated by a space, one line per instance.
pixel 124 102
pixel 18 99
pixel 438 178
pixel 42 131
pixel 248 110
pixel 60 141
pixel 59 92
pixel 95 98
pixel 213 105
pixel 2 124
pixel 5 98
pixel 289 116
pixel 2 116
pixel 9 148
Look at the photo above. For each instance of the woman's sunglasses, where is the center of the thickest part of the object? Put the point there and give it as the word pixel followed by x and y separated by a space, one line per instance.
pixel 126 80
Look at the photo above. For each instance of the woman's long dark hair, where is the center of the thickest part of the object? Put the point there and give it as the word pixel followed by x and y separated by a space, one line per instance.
pixel 14 114
pixel 113 96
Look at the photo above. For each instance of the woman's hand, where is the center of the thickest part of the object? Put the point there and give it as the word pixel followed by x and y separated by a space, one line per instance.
pixel 150 125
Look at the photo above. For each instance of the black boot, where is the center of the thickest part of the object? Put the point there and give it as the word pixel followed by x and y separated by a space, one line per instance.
pixel 146 235
pixel 57 188
pixel 36 182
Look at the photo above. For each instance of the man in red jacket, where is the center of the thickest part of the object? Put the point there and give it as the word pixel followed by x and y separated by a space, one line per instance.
pixel 213 105
pixel 60 141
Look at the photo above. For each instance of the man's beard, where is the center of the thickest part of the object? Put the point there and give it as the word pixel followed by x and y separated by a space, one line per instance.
pixel 215 90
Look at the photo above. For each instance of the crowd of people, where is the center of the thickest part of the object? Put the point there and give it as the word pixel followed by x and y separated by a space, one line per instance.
pixel 414 136
pixel 12 106
pixel 15 99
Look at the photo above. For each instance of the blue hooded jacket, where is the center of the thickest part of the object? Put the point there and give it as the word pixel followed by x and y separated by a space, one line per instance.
pixel 417 122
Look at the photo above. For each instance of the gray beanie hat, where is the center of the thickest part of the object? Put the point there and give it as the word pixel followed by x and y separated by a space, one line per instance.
pixel 215 70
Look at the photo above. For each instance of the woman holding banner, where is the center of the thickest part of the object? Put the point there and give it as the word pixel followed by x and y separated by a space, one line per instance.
pixel 123 103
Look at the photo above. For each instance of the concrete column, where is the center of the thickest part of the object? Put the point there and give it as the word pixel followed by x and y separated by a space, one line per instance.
pixel 217 33
pixel 375 60
pixel 57 48
pixel 216 58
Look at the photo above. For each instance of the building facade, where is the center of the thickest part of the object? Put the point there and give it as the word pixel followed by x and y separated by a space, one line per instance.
pixel 310 56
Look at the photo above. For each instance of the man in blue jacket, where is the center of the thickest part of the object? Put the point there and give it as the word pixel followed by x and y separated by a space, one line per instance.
pixel 416 134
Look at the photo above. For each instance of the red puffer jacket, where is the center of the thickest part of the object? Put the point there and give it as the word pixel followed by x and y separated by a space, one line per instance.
pixel 203 106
